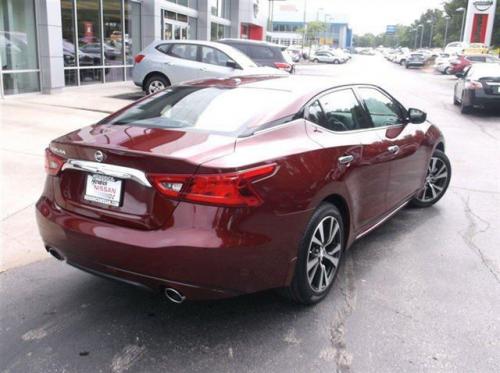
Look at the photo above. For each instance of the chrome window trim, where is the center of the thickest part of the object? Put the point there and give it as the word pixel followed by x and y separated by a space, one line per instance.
pixel 107 169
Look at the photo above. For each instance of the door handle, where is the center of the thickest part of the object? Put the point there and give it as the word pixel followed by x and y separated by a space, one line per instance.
pixel 169 63
pixel 346 159
pixel 394 149
pixel 203 69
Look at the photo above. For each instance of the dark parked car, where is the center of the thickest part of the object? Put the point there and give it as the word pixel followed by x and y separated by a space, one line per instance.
pixel 230 186
pixel 415 59
pixel 263 53
pixel 478 87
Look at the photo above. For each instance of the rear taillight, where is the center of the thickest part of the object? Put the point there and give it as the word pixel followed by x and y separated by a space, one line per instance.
pixel 53 163
pixel 473 85
pixel 138 58
pixel 226 189
pixel 282 66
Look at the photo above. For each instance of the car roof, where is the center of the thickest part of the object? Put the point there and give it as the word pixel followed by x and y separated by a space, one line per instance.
pixel 297 85
pixel 251 42
pixel 223 47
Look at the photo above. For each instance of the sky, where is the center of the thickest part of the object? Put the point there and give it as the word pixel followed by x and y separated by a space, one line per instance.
pixel 363 15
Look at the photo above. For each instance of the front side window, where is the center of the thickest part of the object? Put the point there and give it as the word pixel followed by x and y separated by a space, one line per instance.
pixel 184 51
pixel 213 56
pixel 383 111
pixel 341 111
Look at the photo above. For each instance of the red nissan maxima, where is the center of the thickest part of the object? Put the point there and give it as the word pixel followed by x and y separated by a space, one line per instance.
pixel 222 187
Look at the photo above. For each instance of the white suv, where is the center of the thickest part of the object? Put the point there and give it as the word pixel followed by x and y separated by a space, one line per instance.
pixel 167 62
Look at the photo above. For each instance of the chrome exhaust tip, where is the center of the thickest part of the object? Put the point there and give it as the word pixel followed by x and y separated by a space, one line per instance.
pixel 174 296
pixel 56 254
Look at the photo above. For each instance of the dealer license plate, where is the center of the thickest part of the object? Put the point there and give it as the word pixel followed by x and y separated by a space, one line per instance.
pixel 103 189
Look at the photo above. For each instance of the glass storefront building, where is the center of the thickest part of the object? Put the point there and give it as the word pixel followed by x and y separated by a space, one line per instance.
pixel 46 45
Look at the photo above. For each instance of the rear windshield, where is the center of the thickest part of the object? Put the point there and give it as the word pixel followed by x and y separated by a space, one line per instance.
pixel 227 111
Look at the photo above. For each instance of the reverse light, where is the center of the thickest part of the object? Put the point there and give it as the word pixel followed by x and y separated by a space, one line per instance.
pixel 53 163
pixel 138 58
pixel 225 189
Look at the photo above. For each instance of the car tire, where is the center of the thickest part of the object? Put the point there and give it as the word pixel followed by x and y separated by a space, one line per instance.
pixel 315 60
pixel 437 179
pixel 446 71
pixel 402 62
pixel 407 66
pixel 311 286
pixel 336 62
pixel 455 101
pixel 464 109
pixel 156 83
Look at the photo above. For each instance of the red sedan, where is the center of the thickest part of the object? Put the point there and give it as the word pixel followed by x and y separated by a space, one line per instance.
pixel 224 187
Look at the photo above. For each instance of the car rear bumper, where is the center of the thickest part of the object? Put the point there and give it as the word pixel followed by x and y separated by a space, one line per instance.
pixel 190 255
pixel 481 99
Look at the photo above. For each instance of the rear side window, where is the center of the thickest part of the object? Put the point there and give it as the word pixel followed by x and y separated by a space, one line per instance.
pixel 261 52
pixel 184 51
pixel 338 111
pixel 209 109
pixel 163 48
pixel 213 56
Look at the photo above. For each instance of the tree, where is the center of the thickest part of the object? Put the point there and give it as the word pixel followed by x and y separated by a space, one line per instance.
pixel 314 30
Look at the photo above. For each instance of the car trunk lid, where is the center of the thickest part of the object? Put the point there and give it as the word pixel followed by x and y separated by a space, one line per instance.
pixel 118 159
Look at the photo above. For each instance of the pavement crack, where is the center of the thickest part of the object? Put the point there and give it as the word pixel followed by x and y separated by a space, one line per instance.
pixel 472 231
pixel 342 357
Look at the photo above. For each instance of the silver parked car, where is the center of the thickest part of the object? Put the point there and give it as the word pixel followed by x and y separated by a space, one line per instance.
pixel 326 56
pixel 167 62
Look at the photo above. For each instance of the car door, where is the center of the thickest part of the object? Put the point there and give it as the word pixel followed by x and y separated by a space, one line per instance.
pixel 402 145
pixel 337 122
pixel 213 63
pixel 182 63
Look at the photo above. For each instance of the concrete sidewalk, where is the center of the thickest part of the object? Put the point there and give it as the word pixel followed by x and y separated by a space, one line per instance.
pixel 27 124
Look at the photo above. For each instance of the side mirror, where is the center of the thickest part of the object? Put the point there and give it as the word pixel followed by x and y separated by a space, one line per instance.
pixel 232 64
pixel 417 116
pixel 460 75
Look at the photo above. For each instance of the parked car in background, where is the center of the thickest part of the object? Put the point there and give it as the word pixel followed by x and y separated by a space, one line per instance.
pixel 415 60
pixel 442 63
pixel 478 86
pixel 326 57
pixel 461 62
pixel 263 53
pixel 164 63
pixel 456 47
pixel 401 56
pixel 190 191
pixel 476 48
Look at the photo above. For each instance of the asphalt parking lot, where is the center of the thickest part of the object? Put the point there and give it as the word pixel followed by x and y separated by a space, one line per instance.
pixel 421 293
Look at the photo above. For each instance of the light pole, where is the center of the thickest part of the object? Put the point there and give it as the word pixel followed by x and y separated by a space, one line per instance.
pixel 421 35
pixel 430 21
pixel 415 31
pixel 462 10
pixel 447 18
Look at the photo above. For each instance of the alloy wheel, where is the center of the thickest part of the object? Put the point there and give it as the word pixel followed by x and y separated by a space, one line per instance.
pixel 155 86
pixel 435 181
pixel 324 254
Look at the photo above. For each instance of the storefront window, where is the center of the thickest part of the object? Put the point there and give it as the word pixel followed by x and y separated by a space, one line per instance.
pixel 112 32
pixel 18 49
pixel 220 8
pixel 68 32
pixel 89 33
pixel 218 31
pixel 132 30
